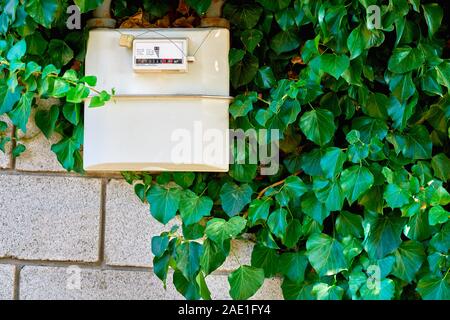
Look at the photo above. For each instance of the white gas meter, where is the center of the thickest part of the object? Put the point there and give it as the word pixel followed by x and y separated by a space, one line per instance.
pixel 168 113
pixel 156 55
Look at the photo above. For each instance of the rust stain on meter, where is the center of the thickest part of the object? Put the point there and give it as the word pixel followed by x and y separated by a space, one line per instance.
pixel 158 55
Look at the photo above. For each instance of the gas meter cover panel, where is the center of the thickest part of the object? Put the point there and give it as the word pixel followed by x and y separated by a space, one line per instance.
pixel 156 55
pixel 170 108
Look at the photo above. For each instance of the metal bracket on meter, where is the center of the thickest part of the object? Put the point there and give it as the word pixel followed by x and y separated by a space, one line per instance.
pixel 157 55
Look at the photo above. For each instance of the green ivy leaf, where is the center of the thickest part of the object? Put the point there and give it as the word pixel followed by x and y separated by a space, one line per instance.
pixel 431 287
pixel 88 5
pixel 396 196
pixel 243 104
pixel 417 227
pixel 332 162
pixel 60 53
pixel 402 88
pixel 67 147
pixel 214 255
pixel 258 211
pixel 277 222
pixel 382 235
pixel 293 266
pixel 219 230
pixel 265 78
pixel 71 113
pixel 244 16
pixel 160 245
pixel 417 143
pixel 193 208
pixel 330 194
pixel 234 198
pixel 251 38
pixel 199 5
pixel 349 224
pixel 265 258
pixel 443 73
pixel 433 16
pixel 384 291
pixel 245 282
pixel 235 56
pixel 405 59
pixel 358 40
pixel 318 126
pixel 408 260
pixel 89 80
pixel 325 292
pixel 274 5
pixel 18 150
pixel 355 181
pixel 204 290
pixel 164 203
pixel 293 233
pixel 244 71
pixel 17 51
pixel 285 41
pixel 188 258
pixel 334 65
pixel 42 11
pixel 369 127
pixel 441 240
pixel 189 289
pixel 441 166
pixel 297 291
pixel 46 120
pixel 36 44
pixel 8 98
pixel 184 179
pixel 286 18
pixel 313 208
pixel 438 215
pixel 99 100
pixel 31 68
pixel 20 114
pixel 295 186
pixel 325 254
pixel 77 94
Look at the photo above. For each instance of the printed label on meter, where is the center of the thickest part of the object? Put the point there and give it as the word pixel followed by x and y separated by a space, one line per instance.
pixel 155 55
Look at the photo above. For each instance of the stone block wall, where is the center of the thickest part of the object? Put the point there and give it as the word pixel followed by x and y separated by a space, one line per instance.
pixel 67 236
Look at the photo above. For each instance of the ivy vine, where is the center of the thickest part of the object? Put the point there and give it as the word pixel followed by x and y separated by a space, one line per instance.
pixel 359 208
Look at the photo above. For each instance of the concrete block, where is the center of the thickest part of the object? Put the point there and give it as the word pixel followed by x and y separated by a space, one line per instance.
pixel 49 218
pixel 6 282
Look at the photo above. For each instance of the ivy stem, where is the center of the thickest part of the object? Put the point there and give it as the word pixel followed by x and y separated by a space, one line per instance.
pixel 203 191
pixel 235 256
pixel 76 83
pixel 263 100
pixel 446 274
pixel 261 194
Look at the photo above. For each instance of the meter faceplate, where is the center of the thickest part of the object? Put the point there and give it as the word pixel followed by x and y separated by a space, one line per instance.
pixel 157 55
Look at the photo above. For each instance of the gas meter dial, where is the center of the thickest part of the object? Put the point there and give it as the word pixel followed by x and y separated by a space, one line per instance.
pixel 158 55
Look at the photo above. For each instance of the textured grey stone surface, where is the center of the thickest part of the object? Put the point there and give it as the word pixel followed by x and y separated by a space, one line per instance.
pixel 49 218
pixel 62 283
pixel 219 287
pixel 57 283
pixel 240 254
pixel 6 282
pixel 5 157
pixel 38 155
pixel 129 227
